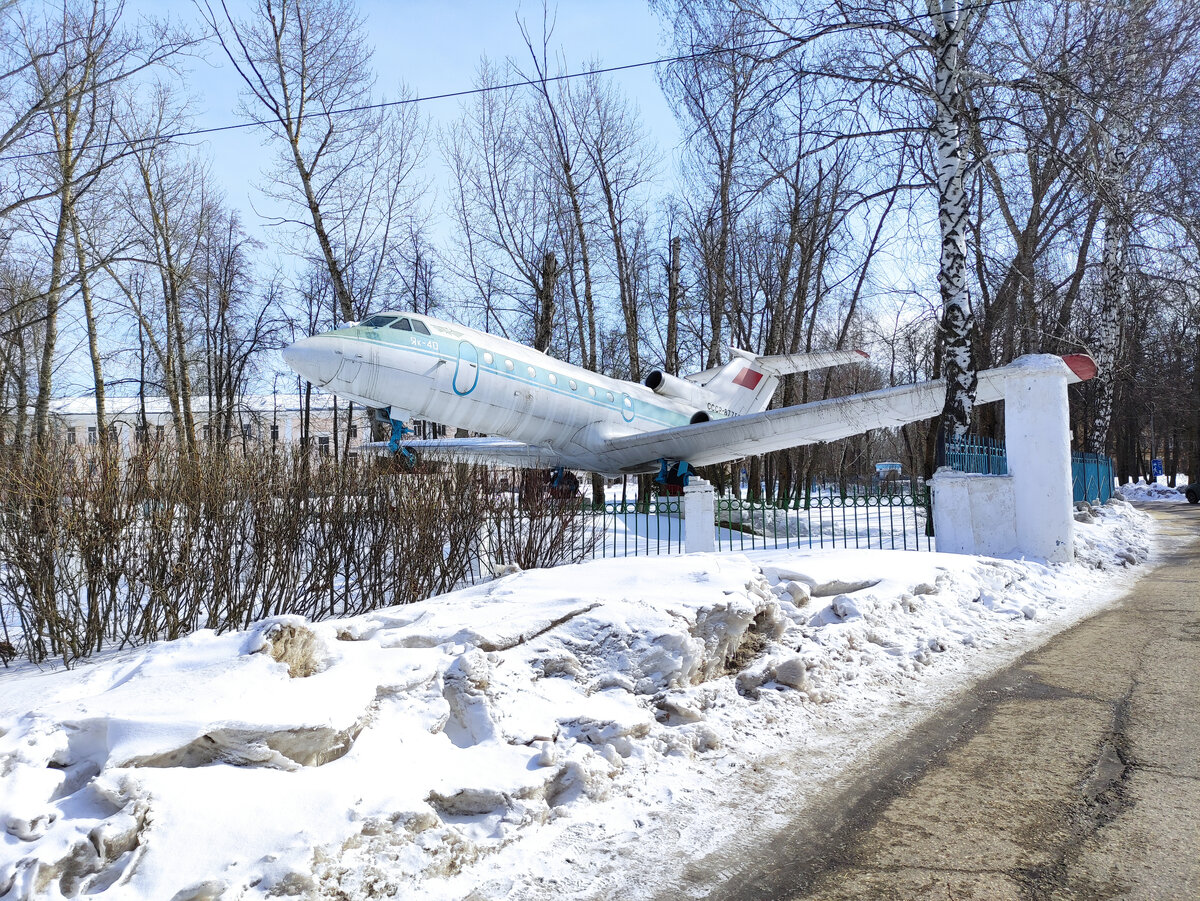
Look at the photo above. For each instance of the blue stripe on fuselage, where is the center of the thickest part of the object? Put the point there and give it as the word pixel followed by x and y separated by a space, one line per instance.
pixel 640 406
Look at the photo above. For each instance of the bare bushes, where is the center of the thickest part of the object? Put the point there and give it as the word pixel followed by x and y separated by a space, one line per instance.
pixel 536 529
pixel 102 552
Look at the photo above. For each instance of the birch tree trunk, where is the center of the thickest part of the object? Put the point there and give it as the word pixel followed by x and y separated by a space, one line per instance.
pixel 957 325
pixel 89 313
pixel 1113 292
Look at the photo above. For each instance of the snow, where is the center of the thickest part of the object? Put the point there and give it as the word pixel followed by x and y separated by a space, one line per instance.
pixel 544 735
pixel 1159 491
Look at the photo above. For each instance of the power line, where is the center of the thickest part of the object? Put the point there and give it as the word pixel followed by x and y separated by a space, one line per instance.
pixel 470 92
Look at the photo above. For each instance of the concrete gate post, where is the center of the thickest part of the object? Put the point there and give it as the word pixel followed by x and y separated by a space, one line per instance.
pixel 1038 435
pixel 699 516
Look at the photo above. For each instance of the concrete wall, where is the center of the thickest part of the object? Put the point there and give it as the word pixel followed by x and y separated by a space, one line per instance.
pixel 1027 513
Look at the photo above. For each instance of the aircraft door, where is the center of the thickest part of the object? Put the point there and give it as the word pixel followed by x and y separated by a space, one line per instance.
pixel 466 369
pixel 349 370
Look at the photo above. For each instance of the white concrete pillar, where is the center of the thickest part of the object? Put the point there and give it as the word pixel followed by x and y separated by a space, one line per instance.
pixel 699 515
pixel 1038 436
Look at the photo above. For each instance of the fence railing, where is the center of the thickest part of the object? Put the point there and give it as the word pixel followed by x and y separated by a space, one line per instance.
pixel 884 518
pixel 1091 474
pixel 637 529
pixel 975 453
pixel 889 516
pixel 1091 477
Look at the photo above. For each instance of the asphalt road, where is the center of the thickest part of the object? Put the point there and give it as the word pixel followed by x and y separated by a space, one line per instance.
pixel 1072 774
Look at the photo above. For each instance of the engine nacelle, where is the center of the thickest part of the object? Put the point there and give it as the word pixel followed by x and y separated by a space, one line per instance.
pixel 680 389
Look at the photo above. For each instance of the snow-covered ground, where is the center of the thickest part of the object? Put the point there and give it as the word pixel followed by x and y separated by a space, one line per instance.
pixel 1159 491
pixel 577 732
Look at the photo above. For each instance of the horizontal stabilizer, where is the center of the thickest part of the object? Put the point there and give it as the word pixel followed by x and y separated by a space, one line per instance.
pixel 785 364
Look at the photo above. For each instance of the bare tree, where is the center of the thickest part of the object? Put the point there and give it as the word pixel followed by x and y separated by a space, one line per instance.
pixel 722 93
pixel 344 160
pixel 75 84
pixel 622 165
pixel 507 208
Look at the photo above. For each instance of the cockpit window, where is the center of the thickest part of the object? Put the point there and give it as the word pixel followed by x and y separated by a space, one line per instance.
pixel 419 326
pixel 376 321
pixel 403 325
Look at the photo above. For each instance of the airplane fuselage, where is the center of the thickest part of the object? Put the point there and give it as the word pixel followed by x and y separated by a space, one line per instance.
pixel 480 382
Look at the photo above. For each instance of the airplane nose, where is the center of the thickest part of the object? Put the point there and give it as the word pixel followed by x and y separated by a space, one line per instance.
pixel 314 359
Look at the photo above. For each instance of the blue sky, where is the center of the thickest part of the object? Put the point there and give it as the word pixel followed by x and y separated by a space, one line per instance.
pixel 434 48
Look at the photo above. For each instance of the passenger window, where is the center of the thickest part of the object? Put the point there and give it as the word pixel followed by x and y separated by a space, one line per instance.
pixel 488 358
pixel 610 397
pixel 591 391
pixel 508 364
pixel 532 373
pixel 419 326
pixel 377 321
pixel 403 325
pixel 553 378
pixel 574 387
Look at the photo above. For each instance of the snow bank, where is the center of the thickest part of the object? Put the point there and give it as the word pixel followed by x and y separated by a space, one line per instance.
pixel 510 738
pixel 1159 491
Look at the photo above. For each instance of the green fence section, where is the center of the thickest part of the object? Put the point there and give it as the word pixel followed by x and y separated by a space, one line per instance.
pixel 1091 477
pixel 975 453
pixel 637 529
pixel 894 517
pixel 890 516
pixel 1091 474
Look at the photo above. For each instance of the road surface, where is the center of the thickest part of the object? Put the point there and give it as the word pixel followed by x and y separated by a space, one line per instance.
pixel 1072 774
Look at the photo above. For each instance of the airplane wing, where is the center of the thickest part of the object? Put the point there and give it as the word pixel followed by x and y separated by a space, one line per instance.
pixel 497 451
pixel 839 417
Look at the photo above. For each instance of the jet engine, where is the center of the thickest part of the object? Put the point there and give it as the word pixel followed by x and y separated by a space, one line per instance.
pixel 672 386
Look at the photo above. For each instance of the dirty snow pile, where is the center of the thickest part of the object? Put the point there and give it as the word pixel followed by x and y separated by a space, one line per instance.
pixel 1159 491
pixel 556 733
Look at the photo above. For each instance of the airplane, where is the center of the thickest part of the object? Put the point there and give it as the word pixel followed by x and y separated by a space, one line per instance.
pixel 542 413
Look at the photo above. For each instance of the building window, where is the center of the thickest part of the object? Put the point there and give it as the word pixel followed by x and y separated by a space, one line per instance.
pixel 274 431
pixel 247 431
pixel 323 445
pixel 139 434
pixel 207 433
pixel 160 431
pixel 92 435
pixel 71 435
pixel 353 431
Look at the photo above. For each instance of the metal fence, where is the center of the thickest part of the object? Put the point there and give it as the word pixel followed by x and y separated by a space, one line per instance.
pixel 1091 477
pixel 1091 474
pixel 637 529
pixel 892 515
pixel 975 453
pixel 887 517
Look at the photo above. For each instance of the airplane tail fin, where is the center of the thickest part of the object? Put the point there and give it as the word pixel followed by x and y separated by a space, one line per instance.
pixel 747 382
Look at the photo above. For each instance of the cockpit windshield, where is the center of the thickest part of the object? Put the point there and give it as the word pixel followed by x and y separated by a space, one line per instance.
pixel 377 321
pixel 403 325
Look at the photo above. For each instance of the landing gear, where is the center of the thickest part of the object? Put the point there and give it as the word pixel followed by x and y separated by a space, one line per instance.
pixel 405 456
pixel 673 476
pixel 563 484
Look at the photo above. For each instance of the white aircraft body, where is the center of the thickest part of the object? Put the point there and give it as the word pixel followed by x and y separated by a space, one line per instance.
pixel 544 413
